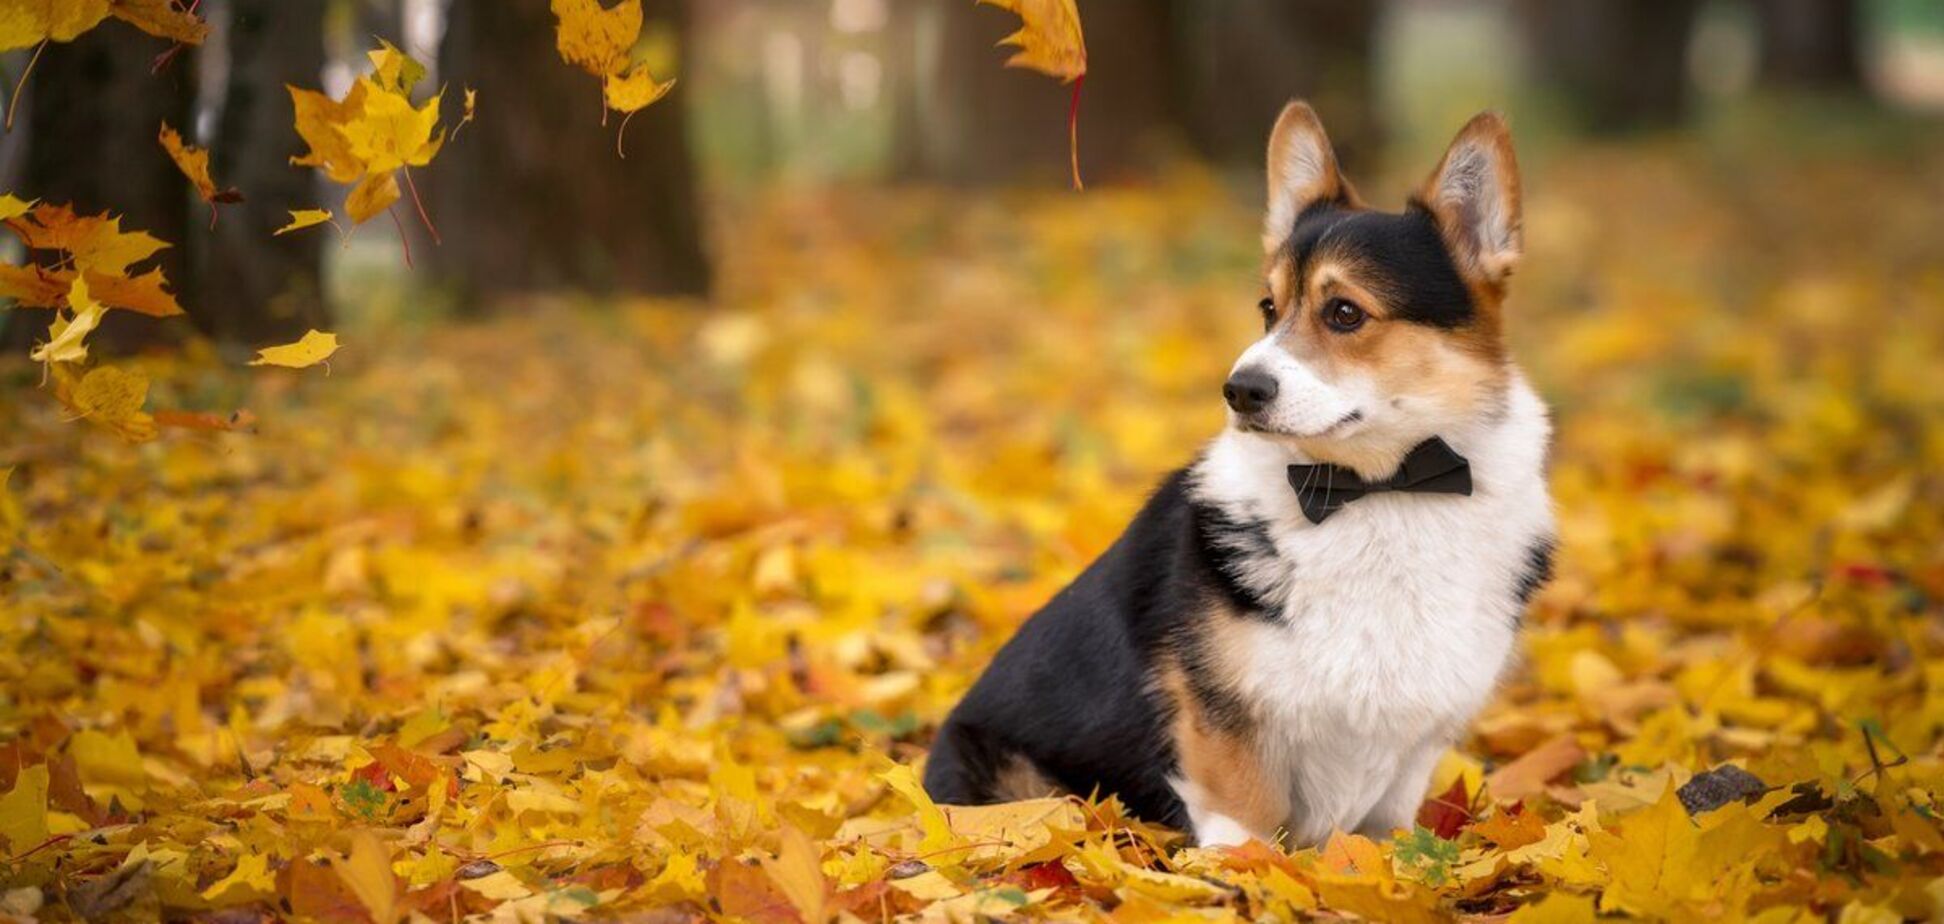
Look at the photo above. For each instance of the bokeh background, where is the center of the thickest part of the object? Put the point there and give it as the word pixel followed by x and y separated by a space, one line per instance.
pixel 904 94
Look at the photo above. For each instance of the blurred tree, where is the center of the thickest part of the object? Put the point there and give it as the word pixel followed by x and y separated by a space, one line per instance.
pixel 978 122
pixel 92 112
pixel 1811 44
pixel 532 195
pixel 271 287
pixel 1243 59
pixel 1617 65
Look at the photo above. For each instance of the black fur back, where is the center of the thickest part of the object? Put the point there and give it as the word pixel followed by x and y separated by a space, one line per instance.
pixel 1073 690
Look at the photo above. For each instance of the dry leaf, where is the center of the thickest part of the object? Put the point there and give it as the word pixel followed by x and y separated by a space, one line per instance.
pixel 313 348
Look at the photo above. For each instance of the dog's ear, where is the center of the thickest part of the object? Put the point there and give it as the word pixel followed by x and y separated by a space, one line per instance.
pixel 1474 194
pixel 1302 172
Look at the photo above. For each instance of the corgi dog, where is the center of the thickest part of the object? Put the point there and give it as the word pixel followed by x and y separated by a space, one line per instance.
pixel 1297 626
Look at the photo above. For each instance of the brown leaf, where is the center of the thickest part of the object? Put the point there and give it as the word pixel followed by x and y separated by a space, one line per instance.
pixel 1528 775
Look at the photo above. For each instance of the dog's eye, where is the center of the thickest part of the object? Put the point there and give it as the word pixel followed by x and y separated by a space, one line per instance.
pixel 1268 308
pixel 1342 315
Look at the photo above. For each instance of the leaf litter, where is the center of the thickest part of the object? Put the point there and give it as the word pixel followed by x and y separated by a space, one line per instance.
pixel 593 613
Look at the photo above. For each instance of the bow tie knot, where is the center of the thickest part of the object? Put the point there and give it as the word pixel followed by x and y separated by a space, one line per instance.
pixel 1430 468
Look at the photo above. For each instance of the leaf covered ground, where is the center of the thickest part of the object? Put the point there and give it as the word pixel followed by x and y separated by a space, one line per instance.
pixel 647 610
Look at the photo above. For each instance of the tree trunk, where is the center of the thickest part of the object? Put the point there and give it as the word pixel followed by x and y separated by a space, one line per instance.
pixel 1243 59
pixel 982 122
pixel 1811 44
pixel 259 288
pixel 532 195
pixel 92 113
pixel 1620 65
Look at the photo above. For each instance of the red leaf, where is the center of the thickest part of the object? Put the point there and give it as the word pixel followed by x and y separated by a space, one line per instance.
pixel 1447 814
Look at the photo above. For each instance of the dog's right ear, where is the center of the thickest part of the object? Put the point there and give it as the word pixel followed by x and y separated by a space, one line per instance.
pixel 1302 172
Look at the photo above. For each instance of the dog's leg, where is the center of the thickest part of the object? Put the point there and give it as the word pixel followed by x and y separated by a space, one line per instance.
pixel 1398 806
pixel 1222 778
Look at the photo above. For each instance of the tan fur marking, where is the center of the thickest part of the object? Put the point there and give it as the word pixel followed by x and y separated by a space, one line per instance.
pixel 1019 780
pixel 1223 764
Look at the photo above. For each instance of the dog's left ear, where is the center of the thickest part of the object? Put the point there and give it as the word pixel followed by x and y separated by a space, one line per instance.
pixel 1474 195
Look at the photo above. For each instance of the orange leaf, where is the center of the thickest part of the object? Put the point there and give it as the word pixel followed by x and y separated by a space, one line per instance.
pixel 143 294
pixel 194 164
pixel 1512 827
pixel 1528 775
pixel 1049 37
pixel 162 19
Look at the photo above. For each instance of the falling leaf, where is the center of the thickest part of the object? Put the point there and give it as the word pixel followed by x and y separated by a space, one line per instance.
pixel 313 348
pixel 372 196
pixel 113 398
pixel 26 23
pixel 69 330
pixel 1050 41
pixel 471 102
pixel 394 71
pixel 595 39
pixel 635 90
pixel 599 40
pixel 12 207
pixel 371 136
pixel 169 19
pixel 194 164
pixel 1049 37
pixel 305 218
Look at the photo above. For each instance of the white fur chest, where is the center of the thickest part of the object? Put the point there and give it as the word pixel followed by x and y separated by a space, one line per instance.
pixel 1398 615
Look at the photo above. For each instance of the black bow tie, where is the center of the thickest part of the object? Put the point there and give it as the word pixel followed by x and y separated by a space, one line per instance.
pixel 1431 468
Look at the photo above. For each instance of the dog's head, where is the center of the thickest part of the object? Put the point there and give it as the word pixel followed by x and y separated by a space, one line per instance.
pixel 1381 329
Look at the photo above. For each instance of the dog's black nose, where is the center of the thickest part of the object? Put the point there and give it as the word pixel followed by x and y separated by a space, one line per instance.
pixel 1249 390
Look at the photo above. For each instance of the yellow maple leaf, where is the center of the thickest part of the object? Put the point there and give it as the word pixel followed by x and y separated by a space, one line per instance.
pixel 13 207
pixel 113 398
pixel 633 91
pixel 25 23
pixel 251 880
pixel 374 194
pixel 388 132
pixel 67 334
pixel 1650 858
pixel 23 811
pixel 167 19
pixel 110 766
pixel 595 39
pixel 367 872
pixel 313 348
pixel 392 70
pixel 931 820
pixel 798 872
pixel 318 120
pixel 305 218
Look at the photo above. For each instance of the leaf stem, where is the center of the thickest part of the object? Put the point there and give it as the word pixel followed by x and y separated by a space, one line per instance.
pixel 621 135
pixel 21 84
pixel 1073 131
pixel 403 241
pixel 423 218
